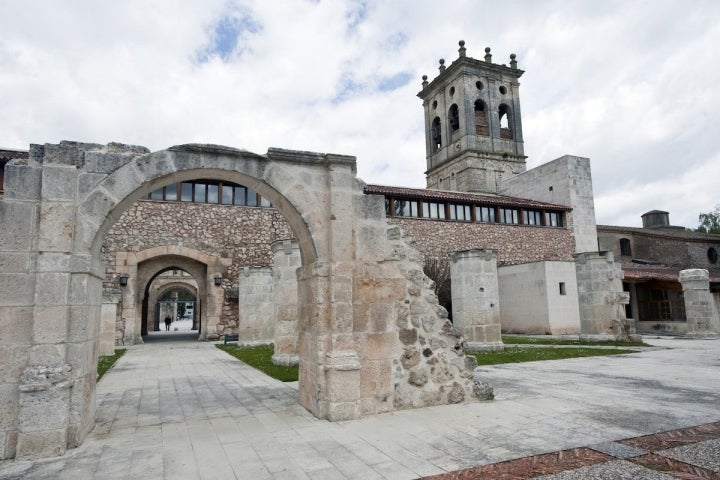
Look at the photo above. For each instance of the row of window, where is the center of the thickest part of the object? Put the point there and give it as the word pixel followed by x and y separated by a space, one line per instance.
pixel 471 213
pixel 209 191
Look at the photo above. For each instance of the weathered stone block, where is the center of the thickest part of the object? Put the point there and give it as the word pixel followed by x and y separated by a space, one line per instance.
pixel 18 221
pixel 379 290
pixel 50 324
pixel 15 325
pixel 59 183
pixel 57 223
pixel 52 288
pixel 22 182
pixel 380 346
pixel 47 354
pixel 14 262
pixel 17 289
pixel 418 376
pixel 13 359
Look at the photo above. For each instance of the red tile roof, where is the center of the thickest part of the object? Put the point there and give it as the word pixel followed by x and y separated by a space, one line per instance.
pixel 445 195
pixel 643 272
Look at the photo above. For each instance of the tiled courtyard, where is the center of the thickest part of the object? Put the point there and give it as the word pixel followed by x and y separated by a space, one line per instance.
pixel 179 409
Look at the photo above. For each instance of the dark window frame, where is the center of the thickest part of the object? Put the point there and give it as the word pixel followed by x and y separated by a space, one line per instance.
pixel 202 191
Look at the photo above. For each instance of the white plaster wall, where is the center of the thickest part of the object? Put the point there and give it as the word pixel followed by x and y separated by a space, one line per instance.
pixel 531 301
pixel 563 310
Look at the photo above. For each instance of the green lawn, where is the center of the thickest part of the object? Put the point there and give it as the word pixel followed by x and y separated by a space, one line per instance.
pixel 106 362
pixel 522 340
pixel 260 358
pixel 532 354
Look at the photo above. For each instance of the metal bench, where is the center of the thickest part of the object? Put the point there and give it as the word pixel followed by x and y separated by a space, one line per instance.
pixel 230 338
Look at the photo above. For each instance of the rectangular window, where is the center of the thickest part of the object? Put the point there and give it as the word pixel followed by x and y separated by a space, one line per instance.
pixel 485 214
pixel 251 198
pixel 508 215
pixel 212 194
pixel 406 208
pixel 227 195
pixel 460 212
pixel 157 194
pixel 433 210
pixel 200 190
pixel 240 195
pixel 562 288
pixel 186 192
pixel 388 202
pixel 171 192
pixel 553 219
pixel 532 217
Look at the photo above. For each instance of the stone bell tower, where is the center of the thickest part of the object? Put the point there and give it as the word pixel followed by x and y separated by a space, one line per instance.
pixel 473 129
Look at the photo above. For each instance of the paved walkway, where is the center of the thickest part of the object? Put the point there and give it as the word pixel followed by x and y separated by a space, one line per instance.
pixel 186 410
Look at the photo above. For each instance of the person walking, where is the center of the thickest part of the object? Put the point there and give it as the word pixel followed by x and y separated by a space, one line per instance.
pixel 168 321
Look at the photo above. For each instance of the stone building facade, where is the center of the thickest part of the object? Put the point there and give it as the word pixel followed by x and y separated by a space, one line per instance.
pixel 653 260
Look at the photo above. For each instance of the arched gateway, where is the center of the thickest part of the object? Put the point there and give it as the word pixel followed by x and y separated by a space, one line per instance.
pixel 372 337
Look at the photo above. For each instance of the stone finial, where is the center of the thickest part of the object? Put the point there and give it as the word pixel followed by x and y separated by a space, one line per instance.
pixel 424 81
pixel 442 65
pixel 513 62
pixel 488 56
pixel 462 49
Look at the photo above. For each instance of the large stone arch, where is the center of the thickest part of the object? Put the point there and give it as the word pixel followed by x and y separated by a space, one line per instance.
pixel 372 336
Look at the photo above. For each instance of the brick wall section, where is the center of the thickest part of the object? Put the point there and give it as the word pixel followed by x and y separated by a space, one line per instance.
pixel 515 243
pixel 241 233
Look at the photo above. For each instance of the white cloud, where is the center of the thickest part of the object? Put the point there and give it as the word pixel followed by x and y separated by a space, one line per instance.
pixel 632 85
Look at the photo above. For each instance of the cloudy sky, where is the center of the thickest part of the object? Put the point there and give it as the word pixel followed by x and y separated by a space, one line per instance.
pixel 633 85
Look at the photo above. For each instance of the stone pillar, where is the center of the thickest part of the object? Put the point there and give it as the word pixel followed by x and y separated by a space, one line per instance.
pixel 475 298
pixel 108 317
pixel 286 260
pixel 19 217
pixel 602 299
pixel 702 317
pixel 256 305
pixel 328 360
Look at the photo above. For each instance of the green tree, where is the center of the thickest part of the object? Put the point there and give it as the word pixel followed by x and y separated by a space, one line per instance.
pixel 709 222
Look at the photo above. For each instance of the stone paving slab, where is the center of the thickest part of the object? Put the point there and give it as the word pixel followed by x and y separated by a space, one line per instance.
pixel 188 410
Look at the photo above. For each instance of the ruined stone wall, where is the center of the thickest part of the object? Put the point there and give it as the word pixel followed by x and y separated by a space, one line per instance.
pixel 241 233
pixel 515 243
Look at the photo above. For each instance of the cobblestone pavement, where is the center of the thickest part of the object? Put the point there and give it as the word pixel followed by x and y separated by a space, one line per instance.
pixel 186 410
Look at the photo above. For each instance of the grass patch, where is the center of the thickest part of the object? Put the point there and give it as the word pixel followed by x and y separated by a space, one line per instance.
pixel 260 357
pixel 106 362
pixel 525 354
pixel 515 340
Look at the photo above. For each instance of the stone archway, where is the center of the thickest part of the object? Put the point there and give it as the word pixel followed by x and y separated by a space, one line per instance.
pixel 372 336
pixel 141 267
pixel 155 294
